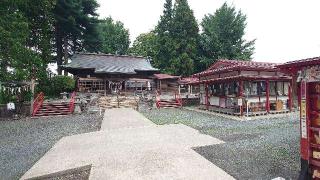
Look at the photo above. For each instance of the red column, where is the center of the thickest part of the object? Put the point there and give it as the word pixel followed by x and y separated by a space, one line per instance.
pixel 240 95
pixel 267 96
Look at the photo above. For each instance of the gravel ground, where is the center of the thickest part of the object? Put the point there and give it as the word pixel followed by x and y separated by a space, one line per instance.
pixel 78 175
pixel 258 149
pixel 25 141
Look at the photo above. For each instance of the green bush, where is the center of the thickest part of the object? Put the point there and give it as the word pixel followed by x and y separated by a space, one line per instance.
pixel 56 85
pixel 62 84
pixel 6 97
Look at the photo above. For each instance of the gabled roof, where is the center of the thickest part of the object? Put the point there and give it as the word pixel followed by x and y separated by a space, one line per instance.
pixel 231 65
pixel 165 76
pixel 298 64
pixel 222 63
pixel 109 64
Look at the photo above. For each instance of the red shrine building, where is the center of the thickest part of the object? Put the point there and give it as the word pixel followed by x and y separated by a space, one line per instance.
pixel 245 88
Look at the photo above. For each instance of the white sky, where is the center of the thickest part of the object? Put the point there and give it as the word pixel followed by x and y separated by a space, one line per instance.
pixel 285 29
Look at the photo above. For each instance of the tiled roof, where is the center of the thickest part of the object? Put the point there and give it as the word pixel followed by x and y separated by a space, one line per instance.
pixel 165 76
pixel 188 80
pixel 301 63
pixel 237 65
pixel 110 64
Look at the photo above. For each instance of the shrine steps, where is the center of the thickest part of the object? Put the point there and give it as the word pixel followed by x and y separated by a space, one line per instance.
pixel 53 109
pixel 169 104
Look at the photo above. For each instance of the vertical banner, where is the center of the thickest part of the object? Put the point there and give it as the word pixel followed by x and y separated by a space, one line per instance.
pixel 303 118
pixel 303 111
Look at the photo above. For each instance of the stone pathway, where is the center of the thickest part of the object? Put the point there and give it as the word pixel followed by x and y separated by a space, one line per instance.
pixel 131 147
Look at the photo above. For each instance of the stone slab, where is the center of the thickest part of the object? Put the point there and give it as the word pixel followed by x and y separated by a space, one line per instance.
pixel 123 118
pixel 142 151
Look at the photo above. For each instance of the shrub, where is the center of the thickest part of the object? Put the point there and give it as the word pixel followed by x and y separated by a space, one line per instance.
pixel 56 85
pixel 62 84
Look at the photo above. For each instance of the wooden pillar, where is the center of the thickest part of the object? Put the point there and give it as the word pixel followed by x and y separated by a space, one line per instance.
pixel 207 96
pixel 268 96
pixel 179 89
pixel 135 85
pixel 190 89
pixel 240 96
pixel 290 96
pixel 105 86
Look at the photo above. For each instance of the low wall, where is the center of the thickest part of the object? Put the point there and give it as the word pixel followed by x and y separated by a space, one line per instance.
pixel 23 110
pixel 190 101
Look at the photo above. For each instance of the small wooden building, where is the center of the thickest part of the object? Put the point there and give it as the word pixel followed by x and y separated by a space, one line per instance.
pixel 244 88
pixel 188 85
pixel 106 73
pixel 166 83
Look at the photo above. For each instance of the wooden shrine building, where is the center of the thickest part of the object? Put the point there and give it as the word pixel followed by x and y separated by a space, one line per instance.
pixel 166 83
pixel 244 88
pixel 105 73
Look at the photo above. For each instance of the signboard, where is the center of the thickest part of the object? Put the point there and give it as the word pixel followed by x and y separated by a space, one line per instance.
pixel 214 101
pixel 239 102
pixel 11 106
pixel 303 117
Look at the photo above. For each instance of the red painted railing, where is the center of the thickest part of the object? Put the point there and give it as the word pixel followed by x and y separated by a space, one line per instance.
pixel 72 101
pixel 178 98
pixel 158 100
pixel 37 103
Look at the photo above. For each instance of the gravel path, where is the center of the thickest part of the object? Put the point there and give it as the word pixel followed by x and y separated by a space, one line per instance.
pixel 258 149
pixel 23 142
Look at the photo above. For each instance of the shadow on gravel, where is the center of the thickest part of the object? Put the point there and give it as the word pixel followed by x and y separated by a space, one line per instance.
pixel 243 163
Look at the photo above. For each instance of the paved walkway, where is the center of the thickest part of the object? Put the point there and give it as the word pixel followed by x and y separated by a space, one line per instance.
pixel 127 150
pixel 124 118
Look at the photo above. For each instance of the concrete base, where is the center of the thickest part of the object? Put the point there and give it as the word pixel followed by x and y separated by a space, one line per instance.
pixel 137 151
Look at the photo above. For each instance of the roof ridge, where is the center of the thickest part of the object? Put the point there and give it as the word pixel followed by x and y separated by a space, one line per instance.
pixel 300 60
pixel 244 61
pixel 104 54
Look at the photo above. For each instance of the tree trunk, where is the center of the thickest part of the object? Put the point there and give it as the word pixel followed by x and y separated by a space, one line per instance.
pixel 65 46
pixel 59 49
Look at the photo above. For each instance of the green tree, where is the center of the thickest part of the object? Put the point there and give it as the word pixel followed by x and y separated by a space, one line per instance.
pixel 185 39
pixel 115 37
pixel 13 33
pixel 144 45
pixel 17 55
pixel 222 36
pixel 75 20
pixel 164 45
pixel 39 15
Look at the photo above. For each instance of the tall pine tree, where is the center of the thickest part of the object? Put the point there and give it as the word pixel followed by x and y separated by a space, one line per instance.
pixel 115 37
pixel 74 21
pixel 184 35
pixel 164 44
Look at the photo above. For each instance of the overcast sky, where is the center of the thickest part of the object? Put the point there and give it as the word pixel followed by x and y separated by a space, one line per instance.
pixel 285 29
